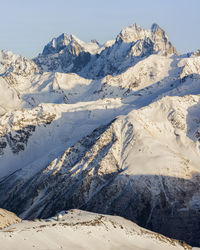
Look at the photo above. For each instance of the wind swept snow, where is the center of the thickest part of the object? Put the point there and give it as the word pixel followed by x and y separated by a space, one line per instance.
pixel 82 230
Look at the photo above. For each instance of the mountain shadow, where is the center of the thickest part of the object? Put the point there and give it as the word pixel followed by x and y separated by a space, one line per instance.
pixel 88 176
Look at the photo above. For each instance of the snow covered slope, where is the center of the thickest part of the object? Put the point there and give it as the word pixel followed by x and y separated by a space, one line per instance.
pixel 82 230
pixel 143 166
pixel 34 137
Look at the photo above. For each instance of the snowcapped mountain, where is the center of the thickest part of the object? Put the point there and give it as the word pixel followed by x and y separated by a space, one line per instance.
pixel 113 129
pixel 69 54
pixel 66 53
pixel 64 43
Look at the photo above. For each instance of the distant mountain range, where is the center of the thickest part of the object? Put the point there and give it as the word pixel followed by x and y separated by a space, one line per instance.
pixel 68 54
pixel 111 128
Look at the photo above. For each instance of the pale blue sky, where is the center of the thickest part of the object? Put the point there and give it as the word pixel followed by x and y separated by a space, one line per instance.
pixel 27 25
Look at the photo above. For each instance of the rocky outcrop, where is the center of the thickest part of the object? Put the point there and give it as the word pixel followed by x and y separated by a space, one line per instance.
pixel 7 218
pixel 17 129
pixel 161 41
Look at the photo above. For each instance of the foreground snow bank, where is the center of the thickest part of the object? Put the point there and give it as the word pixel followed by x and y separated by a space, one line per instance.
pixel 83 230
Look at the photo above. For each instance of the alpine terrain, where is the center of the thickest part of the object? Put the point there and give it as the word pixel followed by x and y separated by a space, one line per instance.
pixel 112 129
pixel 78 229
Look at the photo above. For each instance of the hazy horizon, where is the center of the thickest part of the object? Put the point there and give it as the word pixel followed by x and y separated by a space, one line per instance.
pixel 29 25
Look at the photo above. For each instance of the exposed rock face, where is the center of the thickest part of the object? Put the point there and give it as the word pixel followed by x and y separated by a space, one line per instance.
pixel 66 53
pixel 131 45
pixel 7 218
pixel 20 127
pixel 64 41
pixel 161 41
pixel 154 40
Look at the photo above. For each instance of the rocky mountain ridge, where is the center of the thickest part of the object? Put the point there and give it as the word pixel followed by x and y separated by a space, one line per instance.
pixel 68 54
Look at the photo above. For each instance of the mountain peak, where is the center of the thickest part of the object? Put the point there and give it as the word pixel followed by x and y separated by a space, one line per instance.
pixel 66 37
pixel 59 43
pixel 130 33
pixel 94 41
pixel 162 43
pixel 155 27
pixel 136 26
